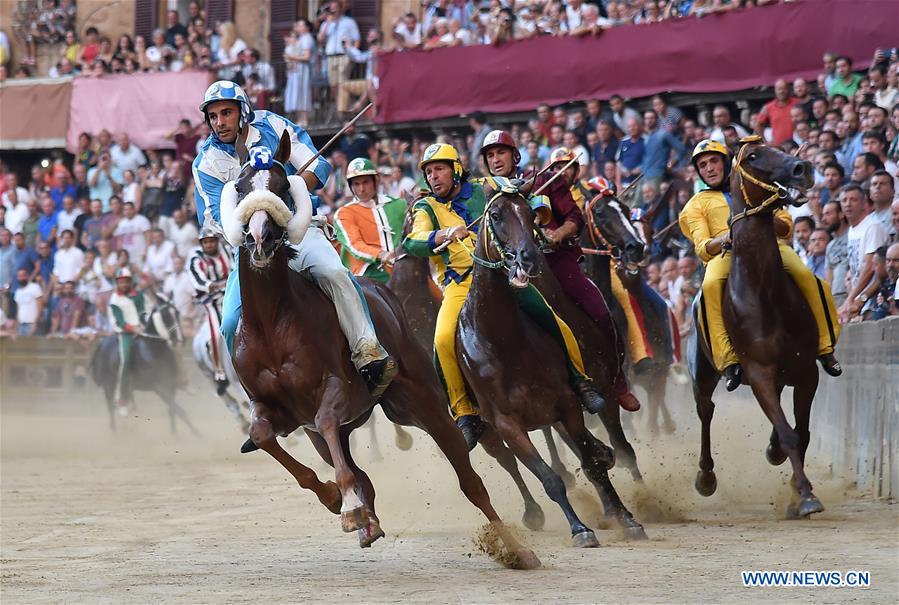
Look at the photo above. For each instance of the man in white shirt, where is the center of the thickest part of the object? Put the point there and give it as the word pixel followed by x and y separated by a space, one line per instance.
pixel 182 233
pixel 68 260
pixel 399 184
pixel 574 14
pixel 65 218
pixel 721 118
pixel 132 233
pixel 409 31
pixel 263 70
pixel 126 156
pixel 159 256
pixel 15 200
pixel 865 236
pixel 29 299
pixel 179 287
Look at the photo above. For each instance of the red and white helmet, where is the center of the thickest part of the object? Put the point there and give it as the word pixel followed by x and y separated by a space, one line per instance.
pixel 500 138
pixel 600 185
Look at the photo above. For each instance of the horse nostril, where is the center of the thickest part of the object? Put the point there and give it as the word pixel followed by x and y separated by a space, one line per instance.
pixel 799 170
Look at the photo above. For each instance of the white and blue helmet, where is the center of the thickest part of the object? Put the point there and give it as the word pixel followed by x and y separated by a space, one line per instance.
pixel 226 90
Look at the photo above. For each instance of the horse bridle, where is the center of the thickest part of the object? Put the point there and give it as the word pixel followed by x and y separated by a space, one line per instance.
pixel 506 256
pixel 597 239
pixel 779 193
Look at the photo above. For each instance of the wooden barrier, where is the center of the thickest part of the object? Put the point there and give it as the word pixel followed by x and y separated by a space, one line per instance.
pixel 855 418
pixel 27 364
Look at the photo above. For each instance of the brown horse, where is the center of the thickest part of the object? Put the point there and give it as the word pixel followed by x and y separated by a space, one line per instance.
pixel 622 247
pixel 767 318
pixel 516 371
pixel 295 365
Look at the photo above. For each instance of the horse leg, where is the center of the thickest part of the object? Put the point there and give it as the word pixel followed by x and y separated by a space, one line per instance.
pixel 596 459
pixel 375 445
pixel 234 407
pixel 402 438
pixel 109 393
pixel 437 423
pixel 519 442
pixel 657 396
pixel 773 452
pixel 765 390
pixel 353 513
pixel 704 384
pixel 263 435
pixel 176 411
pixel 555 462
pixel 624 451
pixel 533 517
pixel 371 531
pixel 803 396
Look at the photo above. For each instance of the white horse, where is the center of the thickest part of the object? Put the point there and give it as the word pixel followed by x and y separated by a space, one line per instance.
pixel 236 399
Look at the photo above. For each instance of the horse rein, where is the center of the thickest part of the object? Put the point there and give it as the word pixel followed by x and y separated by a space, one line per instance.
pixel 487 225
pixel 597 238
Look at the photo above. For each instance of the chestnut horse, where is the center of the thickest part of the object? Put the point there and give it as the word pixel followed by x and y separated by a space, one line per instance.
pixel 517 372
pixel 295 364
pixel 767 318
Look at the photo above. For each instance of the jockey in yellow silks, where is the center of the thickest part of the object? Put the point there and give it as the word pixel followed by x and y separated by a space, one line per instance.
pixel 704 220
pixel 449 214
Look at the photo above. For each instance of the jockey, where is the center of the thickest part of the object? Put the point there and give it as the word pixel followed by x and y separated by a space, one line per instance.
pixel 228 113
pixel 209 268
pixel 638 346
pixel 127 317
pixel 705 221
pixel 370 228
pixel 562 231
pixel 442 217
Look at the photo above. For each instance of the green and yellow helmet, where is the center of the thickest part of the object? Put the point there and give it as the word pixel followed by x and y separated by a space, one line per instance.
pixel 360 167
pixel 441 152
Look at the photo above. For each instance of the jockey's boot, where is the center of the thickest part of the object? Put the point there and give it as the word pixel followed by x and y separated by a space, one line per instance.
pixel 733 376
pixel 642 366
pixel 830 364
pixel 629 401
pixel 590 398
pixel 378 374
pixel 472 428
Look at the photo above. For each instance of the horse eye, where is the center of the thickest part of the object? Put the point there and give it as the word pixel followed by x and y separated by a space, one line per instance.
pixel 494 216
pixel 752 156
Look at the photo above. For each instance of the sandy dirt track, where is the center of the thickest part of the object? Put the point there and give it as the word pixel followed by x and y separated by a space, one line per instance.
pixel 140 517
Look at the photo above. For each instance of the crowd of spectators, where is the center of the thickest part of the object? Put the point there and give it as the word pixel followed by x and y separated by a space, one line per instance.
pixel 65 231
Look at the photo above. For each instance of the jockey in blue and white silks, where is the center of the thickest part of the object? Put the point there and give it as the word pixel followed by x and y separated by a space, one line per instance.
pixel 227 110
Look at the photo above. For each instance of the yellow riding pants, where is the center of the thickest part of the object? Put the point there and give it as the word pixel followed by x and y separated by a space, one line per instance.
pixel 531 302
pixel 816 293
pixel 636 346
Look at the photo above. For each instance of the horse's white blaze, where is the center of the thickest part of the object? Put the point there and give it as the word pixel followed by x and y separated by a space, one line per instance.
pixel 627 222
pixel 256 225
pixel 260 180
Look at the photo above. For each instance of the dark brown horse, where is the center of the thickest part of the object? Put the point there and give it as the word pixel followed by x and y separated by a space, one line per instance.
pixel 517 372
pixel 619 245
pixel 767 318
pixel 295 365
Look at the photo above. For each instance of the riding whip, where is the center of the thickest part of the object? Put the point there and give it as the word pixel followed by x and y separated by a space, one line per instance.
pixel 334 138
pixel 557 174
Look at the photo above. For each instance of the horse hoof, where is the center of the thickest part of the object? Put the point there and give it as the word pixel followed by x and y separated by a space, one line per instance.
pixel 404 441
pixel 809 506
pixel 533 517
pixel 775 455
pixel 706 483
pixel 584 539
pixel 248 446
pixel 336 503
pixel 352 520
pixel 525 559
pixel 369 534
pixel 634 531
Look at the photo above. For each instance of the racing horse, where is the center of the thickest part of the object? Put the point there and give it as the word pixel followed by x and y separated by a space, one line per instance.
pixel 767 318
pixel 297 377
pixel 236 400
pixel 621 246
pixel 153 367
pixel 516 371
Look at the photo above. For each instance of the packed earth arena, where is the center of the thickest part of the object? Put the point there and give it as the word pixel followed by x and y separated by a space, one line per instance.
pixel 217 348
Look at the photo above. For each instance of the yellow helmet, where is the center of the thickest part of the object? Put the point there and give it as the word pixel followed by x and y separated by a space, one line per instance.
pixel 441 152
pixel 709 146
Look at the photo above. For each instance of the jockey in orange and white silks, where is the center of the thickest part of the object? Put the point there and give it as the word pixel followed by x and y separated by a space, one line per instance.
pixel 227 110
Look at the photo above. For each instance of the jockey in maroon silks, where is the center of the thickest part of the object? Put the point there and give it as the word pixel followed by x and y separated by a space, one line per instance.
pixel 501 156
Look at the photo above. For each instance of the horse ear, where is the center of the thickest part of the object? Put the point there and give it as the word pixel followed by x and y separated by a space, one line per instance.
pixel 283 153
pixel 241 145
